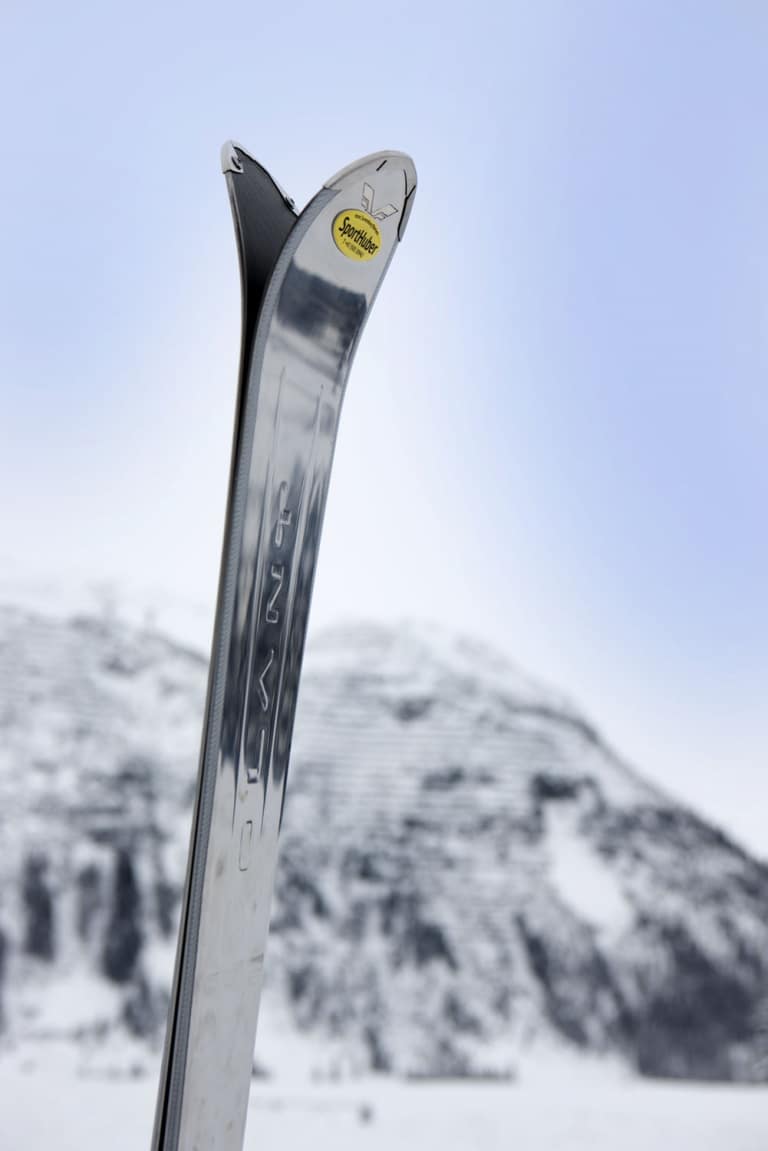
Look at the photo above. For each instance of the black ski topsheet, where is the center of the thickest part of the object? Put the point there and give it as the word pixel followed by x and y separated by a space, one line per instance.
pixel 308 285
pixel 263 215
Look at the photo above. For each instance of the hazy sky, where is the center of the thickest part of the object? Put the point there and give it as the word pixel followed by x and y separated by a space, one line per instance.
pixel 555 431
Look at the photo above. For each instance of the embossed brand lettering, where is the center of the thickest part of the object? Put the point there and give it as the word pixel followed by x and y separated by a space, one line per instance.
pixel 253 773
pixel 284 518
pixel 262 686
pixel 258 744
pixel 272 615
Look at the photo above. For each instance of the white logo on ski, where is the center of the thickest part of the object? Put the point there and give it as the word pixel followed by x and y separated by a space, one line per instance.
pixel 368 198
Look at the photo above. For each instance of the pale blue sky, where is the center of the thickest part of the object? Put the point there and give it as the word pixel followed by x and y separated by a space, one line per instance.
pixel 555 431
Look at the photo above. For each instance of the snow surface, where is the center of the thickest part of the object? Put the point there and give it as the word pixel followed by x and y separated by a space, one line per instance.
pixel 48 1104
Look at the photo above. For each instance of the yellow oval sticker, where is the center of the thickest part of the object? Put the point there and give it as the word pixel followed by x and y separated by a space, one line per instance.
pixel 356 234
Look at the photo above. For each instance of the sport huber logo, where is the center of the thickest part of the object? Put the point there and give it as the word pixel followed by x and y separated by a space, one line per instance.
pixel 356 234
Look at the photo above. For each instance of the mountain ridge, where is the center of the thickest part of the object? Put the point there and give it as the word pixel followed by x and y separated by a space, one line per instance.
pixel 466 866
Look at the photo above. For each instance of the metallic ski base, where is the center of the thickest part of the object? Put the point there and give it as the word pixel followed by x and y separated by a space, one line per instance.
pixel 308 287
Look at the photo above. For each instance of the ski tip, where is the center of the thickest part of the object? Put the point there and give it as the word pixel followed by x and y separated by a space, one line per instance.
pixel 232 155
pixel 377 162
pixel 230 161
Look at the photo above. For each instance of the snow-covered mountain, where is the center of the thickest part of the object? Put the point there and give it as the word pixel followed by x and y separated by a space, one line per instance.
pixel 466 867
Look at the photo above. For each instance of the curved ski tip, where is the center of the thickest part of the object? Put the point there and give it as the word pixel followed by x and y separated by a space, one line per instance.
pixel 374 163
pixel 230 161
pixel 376 160
pixel 231 153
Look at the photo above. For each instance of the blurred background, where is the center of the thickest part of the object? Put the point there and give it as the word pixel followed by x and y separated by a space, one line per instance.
pixel 525 833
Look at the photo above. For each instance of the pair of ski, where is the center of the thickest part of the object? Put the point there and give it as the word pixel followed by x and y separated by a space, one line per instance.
pixel 308 284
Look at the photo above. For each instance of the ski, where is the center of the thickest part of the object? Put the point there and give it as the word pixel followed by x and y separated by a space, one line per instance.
pixel 308 284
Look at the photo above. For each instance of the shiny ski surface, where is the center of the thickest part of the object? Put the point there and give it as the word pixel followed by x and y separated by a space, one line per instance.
pixel 308 285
